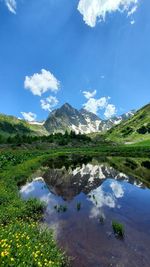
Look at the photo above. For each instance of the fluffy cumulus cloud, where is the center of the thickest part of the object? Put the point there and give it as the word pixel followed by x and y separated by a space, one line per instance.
pixel 110 111
pixel 92 10
pixel 94 105
pixel 42 82
pixel 29 116
pixel 89 94
pixel 49 103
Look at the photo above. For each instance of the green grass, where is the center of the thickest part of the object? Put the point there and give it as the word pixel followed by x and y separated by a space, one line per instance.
pixel 27 244
pixel 10 125
pixel 134 130
pixel 145 143
pixel 17 217
pixel 118 229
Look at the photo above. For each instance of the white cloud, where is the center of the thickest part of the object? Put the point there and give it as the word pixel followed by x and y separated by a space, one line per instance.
pixel 132 22
pixel 102 199
pixel 132 11
pixel 11 5
pixel 88 94
pixel 29 116
pixel 49 103
pixel 42 82
pixel 94 105
pixel 117 189
pixel 110 111
pixel 94 9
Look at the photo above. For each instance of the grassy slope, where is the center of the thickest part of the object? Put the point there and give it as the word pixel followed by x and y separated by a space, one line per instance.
pixel 10 125
pixel 127 131
pixel 38 129
pixel 22 242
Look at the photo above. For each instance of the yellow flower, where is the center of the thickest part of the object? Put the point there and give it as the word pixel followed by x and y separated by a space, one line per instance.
pixel 2 254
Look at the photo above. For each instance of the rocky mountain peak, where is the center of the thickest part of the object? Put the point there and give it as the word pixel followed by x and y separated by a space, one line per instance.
pixel 66 106
pixel 80 121
pixel 89 114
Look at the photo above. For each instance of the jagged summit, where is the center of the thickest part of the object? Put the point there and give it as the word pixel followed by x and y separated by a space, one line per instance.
pixel 66 118
pixel 69 118
pixel 87 113
pixel 67 105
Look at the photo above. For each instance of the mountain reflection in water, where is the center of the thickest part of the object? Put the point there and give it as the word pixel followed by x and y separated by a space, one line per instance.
pixel 103 192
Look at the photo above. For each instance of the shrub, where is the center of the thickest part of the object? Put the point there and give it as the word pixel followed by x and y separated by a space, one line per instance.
pixel 60 208
pixel 101 219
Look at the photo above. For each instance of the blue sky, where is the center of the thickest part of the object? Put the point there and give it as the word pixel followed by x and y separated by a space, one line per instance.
pixel 55 51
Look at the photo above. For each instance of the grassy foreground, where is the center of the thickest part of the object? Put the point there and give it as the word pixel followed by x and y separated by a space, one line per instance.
pixel 24 244
pixel 22 240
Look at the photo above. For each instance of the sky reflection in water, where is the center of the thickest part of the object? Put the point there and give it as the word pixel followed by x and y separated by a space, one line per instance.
pixel 102 191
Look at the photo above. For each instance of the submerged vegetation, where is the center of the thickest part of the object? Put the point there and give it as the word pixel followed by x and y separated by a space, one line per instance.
pixel 101 219
pixel 78 206
pixel 118 229
pixel 60 208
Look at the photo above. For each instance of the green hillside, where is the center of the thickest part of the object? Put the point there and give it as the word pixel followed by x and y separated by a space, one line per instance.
pixel 134 130
pixel 10 125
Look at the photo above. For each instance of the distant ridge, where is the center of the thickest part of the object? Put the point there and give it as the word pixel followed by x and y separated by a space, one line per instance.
pixel 10 125
pixel 68 118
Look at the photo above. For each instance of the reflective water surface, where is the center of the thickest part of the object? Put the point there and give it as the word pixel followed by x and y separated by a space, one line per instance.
pixel 82 199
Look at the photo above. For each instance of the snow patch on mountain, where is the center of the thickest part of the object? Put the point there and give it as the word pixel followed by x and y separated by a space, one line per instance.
pixel 80 121
pixel 36 122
